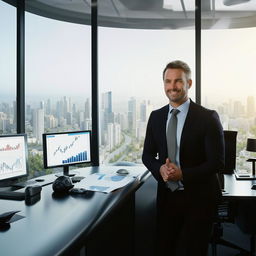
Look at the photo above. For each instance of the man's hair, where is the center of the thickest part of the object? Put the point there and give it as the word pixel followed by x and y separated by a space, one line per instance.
pixel 178 64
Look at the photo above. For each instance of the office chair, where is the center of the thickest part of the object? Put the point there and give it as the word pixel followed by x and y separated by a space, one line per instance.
pixel 246 221
pixel 226 208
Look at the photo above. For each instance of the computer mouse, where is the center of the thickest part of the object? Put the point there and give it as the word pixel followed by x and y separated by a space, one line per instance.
pixel 122 171
pixel 39 180
pixel 62 184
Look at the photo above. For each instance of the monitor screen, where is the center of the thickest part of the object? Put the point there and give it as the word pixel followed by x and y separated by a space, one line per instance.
pixel 13 156
pixel 66 148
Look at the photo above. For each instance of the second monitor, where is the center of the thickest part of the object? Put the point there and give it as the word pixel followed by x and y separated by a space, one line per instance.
pixel 64 149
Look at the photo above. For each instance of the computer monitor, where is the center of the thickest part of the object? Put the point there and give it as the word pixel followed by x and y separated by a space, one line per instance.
pixel 13 157
pixel 64 149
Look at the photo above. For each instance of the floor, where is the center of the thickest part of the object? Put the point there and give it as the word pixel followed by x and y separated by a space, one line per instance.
pixel 234 235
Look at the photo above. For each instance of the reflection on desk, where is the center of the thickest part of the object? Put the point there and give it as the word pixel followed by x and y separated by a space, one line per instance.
pixel 238 188
pixel 71 221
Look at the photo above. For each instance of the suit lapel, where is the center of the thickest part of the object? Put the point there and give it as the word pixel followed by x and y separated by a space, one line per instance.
pixel 162 126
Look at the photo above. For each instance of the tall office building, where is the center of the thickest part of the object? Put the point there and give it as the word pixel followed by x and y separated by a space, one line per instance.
pixel 107 116
pixel 67 105
pixel 145 110
pixel 42 104
pixel 38 124
pixel 14 113
pixel 132 117
pixel 87 109
pixel 69 118
pixel 114 135
pixel 3 122
pixel 48 107
pixel 106 101
pixel 238 109
pixel 117 134
pixel 50 122
pixel 110 135
pixel 250 106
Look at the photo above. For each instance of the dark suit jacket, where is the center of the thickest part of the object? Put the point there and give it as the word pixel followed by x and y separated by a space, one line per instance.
pixel 201 151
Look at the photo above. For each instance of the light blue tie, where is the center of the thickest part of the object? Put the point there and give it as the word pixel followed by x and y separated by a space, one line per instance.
pixel 171 137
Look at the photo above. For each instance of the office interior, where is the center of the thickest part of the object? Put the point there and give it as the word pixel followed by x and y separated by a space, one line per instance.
pixel 97 65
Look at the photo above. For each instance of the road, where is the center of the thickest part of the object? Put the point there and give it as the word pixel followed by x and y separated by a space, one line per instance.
pixel 122 148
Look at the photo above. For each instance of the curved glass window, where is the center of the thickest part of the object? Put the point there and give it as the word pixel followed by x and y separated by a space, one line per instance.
pixel 131 62
pixel 228 82
pixel 7 68
pixel 58 81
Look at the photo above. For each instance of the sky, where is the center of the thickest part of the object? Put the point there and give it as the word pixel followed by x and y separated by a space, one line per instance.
pixel 58 60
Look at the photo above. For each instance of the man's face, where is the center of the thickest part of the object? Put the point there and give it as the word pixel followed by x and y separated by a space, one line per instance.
pixel 176 86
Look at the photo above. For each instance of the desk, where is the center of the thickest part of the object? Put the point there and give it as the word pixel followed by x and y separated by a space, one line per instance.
pixel 238 188
pixel 240 192
pixel 61 226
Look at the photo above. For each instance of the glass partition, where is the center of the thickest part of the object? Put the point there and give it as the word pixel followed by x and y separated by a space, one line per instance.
pixel 7 68
pixel 58 81
pixel 131 62
pixel 228 81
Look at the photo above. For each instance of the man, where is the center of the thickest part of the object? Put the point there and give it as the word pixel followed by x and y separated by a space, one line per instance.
pixel 188 189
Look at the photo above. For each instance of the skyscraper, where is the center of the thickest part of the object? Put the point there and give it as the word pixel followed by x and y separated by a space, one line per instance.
pixel 107 116
pixel 132 115
pixel 250 106
pixel 38 124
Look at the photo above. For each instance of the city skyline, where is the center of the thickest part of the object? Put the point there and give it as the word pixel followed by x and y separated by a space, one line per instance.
pixel 121 132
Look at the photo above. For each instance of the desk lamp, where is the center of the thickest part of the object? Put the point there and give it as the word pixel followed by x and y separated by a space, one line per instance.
pixel 251 146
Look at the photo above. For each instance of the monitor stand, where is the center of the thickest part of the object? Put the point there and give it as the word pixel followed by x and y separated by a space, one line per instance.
pixel 66 171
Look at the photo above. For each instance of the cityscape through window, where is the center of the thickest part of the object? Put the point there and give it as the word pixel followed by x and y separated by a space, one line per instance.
pixel 7 68
pixel 131 61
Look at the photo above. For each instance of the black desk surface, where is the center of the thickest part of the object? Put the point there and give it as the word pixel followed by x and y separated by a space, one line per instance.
pixel 52 224
pixel 238 188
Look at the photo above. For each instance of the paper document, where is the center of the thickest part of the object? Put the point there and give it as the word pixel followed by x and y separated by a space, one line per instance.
pixel 105 183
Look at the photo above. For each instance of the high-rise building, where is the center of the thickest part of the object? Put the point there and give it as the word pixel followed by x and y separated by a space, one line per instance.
pixel 238 109
pixel 60 109
pixel 48 107
pixel 114 135
pixel 145 110
pixel 42 104
pixel 110 135
pixel 132 118
pixel 250 106
pixel 87 108
pixel 107 116
pixel 38 124
pixel 50 121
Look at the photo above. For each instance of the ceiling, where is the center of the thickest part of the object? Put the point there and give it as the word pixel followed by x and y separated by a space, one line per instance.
pixel 150 14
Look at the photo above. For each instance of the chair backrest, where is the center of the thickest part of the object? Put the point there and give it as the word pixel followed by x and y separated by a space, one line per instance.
pixel 230 151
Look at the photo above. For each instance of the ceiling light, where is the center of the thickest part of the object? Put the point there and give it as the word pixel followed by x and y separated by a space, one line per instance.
pixel 234 2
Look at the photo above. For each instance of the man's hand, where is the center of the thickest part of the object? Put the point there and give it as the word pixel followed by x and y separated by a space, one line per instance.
pixel 164 171
pixel 170 171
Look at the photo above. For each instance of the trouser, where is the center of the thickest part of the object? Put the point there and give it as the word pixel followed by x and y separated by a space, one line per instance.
pixel 183 228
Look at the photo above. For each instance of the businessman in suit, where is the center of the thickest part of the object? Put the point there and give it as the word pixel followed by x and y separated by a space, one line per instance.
pixel 188 189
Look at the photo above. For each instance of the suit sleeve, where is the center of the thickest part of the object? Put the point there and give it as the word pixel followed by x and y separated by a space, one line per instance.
pixel 214 153
pixel 150 152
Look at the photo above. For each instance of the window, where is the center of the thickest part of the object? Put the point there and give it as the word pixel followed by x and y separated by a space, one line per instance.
pixel 131 62
pixel 58 81
pixel 228 80
pixel 7 68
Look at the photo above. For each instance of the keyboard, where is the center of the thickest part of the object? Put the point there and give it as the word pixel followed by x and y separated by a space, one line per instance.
pixel 23 184
pixel 32 182
pixel 12 195
pixel 243 175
